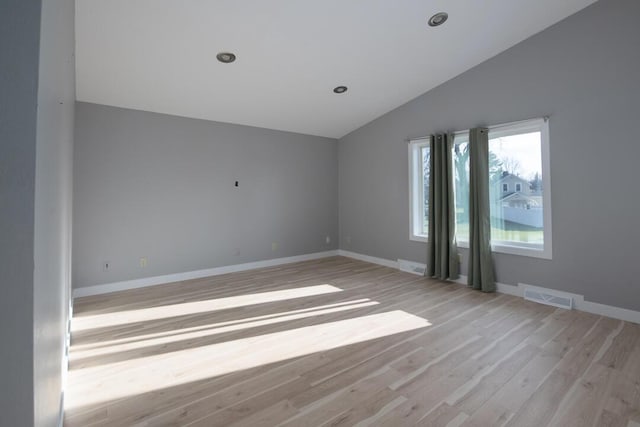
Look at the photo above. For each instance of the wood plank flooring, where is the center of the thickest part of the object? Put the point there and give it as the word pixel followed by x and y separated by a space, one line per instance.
pixel 339 342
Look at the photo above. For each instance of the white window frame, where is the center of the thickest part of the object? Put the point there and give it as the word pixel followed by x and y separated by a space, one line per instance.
pixel 544 251
pixel 459 138
pixel 505 187
pixel 519 248
pixel 518 185
pixel 416 190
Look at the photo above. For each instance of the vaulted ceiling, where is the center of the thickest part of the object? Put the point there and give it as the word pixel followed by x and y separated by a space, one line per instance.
pixel 160 55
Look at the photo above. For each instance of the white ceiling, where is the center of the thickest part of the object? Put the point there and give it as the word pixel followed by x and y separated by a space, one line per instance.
pixel 159 55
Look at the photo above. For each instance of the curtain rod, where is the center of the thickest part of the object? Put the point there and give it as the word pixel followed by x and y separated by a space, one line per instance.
pixel 498 126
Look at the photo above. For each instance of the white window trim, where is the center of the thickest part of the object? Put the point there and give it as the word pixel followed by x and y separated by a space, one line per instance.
pixel 518 184
pixel 523 249
pixel 505 247
pixel 416 189
pixel 520 248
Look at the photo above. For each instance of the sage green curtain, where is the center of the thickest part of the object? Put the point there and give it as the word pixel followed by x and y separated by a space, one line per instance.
pixel 481 274
pixel 442 253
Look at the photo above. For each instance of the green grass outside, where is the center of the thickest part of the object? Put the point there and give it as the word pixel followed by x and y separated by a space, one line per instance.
pixel 512 232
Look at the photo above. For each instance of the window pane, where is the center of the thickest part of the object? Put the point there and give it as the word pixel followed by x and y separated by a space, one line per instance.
pixel 461 184
pixel 516 188
pixel 424 154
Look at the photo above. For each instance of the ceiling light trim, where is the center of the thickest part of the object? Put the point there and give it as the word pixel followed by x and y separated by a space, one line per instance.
pixel 226 57
pixel 438 19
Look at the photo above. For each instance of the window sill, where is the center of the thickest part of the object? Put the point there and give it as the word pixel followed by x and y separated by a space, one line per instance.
pixel 505 248
pixel 521 251
pixel 418 238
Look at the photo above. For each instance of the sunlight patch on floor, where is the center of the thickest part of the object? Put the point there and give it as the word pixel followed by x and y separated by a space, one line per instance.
pixel 223 327
pixel 157 372
pixel 195 307
pixel 79 347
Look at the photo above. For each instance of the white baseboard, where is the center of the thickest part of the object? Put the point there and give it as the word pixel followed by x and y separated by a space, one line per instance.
pixel 518 291
pixel 197 274
pixel 61 410
pixel 501 288
pixel 367 258
pixel 609 311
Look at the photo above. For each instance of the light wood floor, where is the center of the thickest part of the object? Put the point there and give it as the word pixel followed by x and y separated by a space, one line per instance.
pixel 341 342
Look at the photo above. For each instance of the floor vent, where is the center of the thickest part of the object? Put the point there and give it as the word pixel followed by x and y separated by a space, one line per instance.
pixel 411 267
pixel 548 298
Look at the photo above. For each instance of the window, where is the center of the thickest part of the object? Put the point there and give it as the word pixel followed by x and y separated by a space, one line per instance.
pixel 419 188
pixel 461 184
pixel 518 159
pixel 520 221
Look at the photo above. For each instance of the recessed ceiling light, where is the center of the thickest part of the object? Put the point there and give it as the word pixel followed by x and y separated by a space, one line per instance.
pixel 226 57
pixel 340 89
pixel 438 19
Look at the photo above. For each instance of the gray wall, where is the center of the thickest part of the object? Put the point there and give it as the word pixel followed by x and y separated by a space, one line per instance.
pixel 162 187
pixel 584 73
pixel 36 133
pixel 19 52
pixel 53 191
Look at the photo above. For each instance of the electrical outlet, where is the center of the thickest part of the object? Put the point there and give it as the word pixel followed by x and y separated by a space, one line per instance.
pixel 348 239
pixel 143 262
pixel 327 240
pixel 274 246
pixel 106 265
